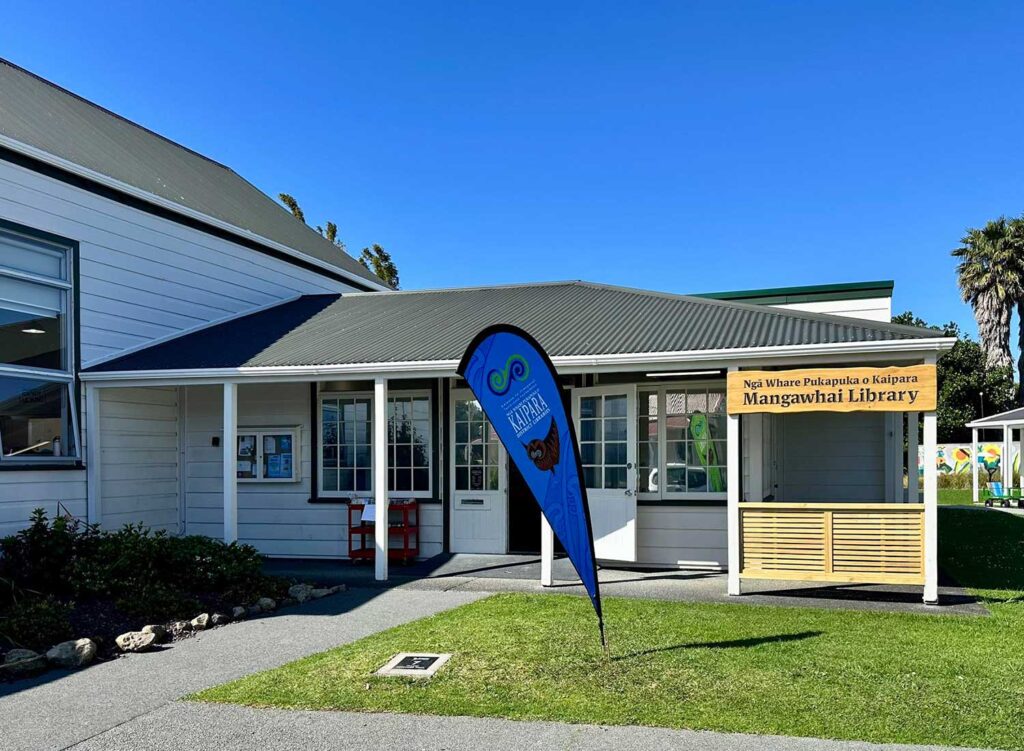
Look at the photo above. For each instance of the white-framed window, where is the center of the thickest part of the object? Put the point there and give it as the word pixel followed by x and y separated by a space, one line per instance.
pixel 681 452
pixel 477 451
pixel 346 445
pixel 38 416
pixel 267 455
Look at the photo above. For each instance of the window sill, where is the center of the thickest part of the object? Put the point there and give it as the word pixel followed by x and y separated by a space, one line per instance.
pixel 39 466
pixel 346 501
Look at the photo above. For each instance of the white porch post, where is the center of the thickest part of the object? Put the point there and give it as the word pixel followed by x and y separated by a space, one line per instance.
pixel 913 491
pixel 547 552
pixel 931 512
pixel 93 459
pixel 229 446
pixel 975 454
pixel 732 454
pixel 1007 461
pixel 380 477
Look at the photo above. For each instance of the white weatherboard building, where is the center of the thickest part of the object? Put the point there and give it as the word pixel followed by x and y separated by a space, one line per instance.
pixel 177 350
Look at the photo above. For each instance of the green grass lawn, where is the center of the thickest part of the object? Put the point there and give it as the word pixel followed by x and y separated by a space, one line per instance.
pixel 955 497
pixel 851 675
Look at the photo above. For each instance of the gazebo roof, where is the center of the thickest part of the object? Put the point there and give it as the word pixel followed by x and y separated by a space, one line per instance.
pixel 1010 418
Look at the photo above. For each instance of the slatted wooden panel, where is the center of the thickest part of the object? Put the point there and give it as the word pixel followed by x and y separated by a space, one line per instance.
pixel 843 542
pixel 783 541
pixel 878 543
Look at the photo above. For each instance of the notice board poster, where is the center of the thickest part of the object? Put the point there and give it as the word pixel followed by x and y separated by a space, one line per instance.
pixel 893 389
pixel 277 457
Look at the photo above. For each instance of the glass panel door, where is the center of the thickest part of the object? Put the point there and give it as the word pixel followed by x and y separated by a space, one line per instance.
pixel 606 425
pixel 478 514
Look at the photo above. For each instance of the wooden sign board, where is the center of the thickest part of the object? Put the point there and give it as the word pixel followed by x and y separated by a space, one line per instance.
pixel 896 389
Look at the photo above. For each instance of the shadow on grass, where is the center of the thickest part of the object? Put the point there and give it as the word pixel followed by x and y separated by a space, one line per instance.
pixel 984 550
pixel 753 641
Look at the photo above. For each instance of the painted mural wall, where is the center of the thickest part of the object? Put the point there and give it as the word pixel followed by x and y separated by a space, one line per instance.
pixel 955 459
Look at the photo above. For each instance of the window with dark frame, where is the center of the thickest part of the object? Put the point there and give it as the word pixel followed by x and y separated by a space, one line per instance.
pixel 38 419
pixel 681 453
pixel 346 445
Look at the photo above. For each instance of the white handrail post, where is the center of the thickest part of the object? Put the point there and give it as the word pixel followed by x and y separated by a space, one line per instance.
pixel 229 448
pixel 547 552
pixel 931 512
pixel 913 451
pixel 380 477
pixel 732 453
pixel 975 455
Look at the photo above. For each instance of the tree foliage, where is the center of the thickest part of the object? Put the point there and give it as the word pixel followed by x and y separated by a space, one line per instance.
pixel 378 260
pixel 375 259
pixel 968 388
pixel 991 278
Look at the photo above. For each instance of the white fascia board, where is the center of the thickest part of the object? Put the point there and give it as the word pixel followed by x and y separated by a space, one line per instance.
pixel 97 177
pixel 1018 423
pixel 750 356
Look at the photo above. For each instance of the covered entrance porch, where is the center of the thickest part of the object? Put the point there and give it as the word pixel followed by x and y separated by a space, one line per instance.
pixel 265 428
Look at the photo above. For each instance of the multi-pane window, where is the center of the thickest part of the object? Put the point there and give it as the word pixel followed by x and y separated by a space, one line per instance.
pixel 346 453
pixel 409 444
pixel 477 451
pixel 681 442
pixel 346 445
pixel 38 421
pixel 603 440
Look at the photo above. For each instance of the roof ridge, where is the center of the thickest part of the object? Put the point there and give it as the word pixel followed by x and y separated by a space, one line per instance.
pixel 103 109
pixel 473 288
pixel 770 309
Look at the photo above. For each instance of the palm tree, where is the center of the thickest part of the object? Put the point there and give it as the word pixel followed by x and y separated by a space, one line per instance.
pixel 990 280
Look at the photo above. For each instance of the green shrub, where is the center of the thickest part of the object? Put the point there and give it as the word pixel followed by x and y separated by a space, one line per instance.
pixel 158 602
pixel 149 574
pixel 36 622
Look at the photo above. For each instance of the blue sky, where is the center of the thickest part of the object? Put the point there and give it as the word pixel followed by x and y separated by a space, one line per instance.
pixel 676 146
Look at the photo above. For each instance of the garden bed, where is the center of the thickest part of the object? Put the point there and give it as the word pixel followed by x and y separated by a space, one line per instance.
pixel 98 593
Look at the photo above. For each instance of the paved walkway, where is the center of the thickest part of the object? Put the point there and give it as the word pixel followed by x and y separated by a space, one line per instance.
pixel 130 703
pixel 227 728
pixel 521 573
pixel 60 709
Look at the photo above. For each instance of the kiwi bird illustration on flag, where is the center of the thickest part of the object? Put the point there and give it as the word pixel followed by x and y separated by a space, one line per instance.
pixel 517 387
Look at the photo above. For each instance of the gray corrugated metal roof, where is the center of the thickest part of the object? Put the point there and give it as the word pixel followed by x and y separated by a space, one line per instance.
pixel 1014 416
pixel 47 117
pixel 568 318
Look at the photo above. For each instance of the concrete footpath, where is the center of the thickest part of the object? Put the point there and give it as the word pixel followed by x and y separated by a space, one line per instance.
pixel 228 728
pixel 132 703
pixel 59 709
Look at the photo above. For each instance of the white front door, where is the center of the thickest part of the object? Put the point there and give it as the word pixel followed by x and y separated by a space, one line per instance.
pixel 606 427
pixel 479 517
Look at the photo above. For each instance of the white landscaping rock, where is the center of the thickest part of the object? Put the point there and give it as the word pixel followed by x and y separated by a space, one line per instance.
pixel 158 631
pixel 266 604
pixel 238 612
pixel 219 619
pixel 201 622
pixel 301 592
pixel 135 641
pixel 320 592
pixel 178 628
pixel 22 662
pixel 72 654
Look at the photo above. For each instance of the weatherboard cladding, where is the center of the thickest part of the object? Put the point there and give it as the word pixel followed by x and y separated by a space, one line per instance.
pixel 40 114
pixel 568 318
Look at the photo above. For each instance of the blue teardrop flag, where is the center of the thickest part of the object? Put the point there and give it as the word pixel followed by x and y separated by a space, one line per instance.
pixel 517 388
